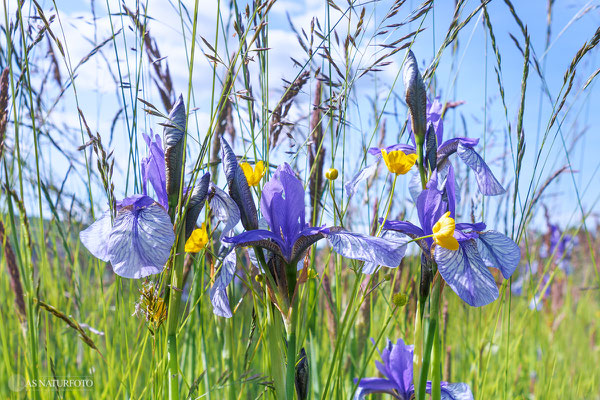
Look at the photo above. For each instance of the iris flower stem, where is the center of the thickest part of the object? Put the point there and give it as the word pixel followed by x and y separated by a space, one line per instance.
pixel 173 317
pixel 418 352
pixel 290 325
pixel 431 335
pixel 418 340
pixel 422 172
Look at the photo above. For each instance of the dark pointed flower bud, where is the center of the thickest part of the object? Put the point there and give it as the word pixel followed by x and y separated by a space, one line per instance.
pixel 197 198
pixel 416 96
pixel 302 376
pixel 431 146
pixel 173 143
pixel 238 187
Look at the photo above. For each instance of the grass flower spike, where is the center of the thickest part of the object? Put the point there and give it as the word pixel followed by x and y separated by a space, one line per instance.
pixel 253 176
pixel 398 162
pixel 443 232
pixel 198 240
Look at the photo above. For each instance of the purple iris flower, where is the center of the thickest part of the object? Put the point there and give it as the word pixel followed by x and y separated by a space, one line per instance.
pixel 560 248
pixel 466 269
pixel 289 236
pixel 397 367
pixel 138 241
pixel 437 155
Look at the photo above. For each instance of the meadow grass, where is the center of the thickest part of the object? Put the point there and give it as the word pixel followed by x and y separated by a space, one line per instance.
pixel 66 315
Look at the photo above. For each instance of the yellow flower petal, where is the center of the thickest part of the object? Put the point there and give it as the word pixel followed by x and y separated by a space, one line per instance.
pixel 443 232
pixel 253 176
pixel 197 240
pixel 398 162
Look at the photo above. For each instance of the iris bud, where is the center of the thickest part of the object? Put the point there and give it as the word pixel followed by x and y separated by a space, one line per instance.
pixel 416 96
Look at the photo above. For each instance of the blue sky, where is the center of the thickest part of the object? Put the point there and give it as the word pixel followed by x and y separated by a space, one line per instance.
pixel 99 97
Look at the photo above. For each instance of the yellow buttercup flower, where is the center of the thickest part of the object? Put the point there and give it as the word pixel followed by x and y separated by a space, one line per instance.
pixel 253 176
pixel 198 240
pixel 398 162
pixel 443 232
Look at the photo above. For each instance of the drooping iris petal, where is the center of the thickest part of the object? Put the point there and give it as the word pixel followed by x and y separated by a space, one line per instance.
pixel 282 205
pixel 456 391
pixel 450 146
pixel 95 237
pixel 373 385
pixel 415 187
pixel 238 186
pixel 404 227
pixel 362 175
pixel 224 209
pixel 387 252
pixel 153 169
pixel 140 241
pixel 261 238
pixel 196 204
pixel 466 273
pixel 478 226
pixel 218 292
pixel 487 182
pixel 499 251
pixel 173 138
pixel 305 239
pixel 391 235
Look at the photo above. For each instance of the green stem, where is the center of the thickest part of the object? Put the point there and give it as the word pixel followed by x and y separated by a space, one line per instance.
pixel 173 317
pixel 418 339
pixel 436 375
pixel 390 199
pixel 291 333
pixel 431 334
pixel 422 173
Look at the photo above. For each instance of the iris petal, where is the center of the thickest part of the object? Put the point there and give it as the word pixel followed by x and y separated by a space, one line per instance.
pixel 141 240
pixel 466 273
pixel 386 252
pixel 282 205
pixel 499 251
pixel 218 292
pixel 95 237
pixel 362 175
pixel 456 391
pixel 224 209
pixel 393 236
pixel 401 366
pixel 373 385
pixel 487 182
